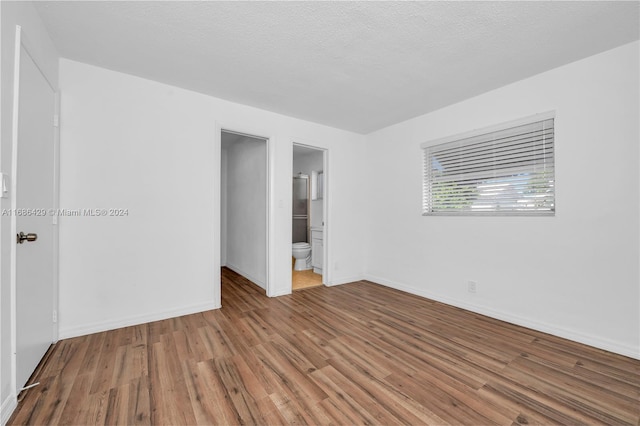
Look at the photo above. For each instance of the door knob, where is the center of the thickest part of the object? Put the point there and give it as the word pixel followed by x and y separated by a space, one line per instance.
pixel 22 237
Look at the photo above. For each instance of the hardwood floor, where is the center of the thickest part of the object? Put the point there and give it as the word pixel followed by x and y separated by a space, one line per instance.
pixel 352 354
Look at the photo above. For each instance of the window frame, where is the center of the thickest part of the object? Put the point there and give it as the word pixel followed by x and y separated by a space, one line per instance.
pixel 426 168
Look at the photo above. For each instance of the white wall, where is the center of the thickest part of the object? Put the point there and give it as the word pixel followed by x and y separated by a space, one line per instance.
pixel 573 275
pixel 150 151
pixel 246 208
pixel 128 142
pixel 46 56
pixel 307 163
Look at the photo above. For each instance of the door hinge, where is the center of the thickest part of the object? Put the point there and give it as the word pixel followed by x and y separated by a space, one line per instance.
pixel 55 316
pixel 56 120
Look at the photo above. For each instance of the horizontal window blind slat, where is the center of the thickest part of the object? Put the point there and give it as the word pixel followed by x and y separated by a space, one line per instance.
pixel 492 145
pixel 499 135
pixel 515 172
pixel 495 181
pixel 505 173
pixel 541 158
pixel 443 163
pixel 435 199
pixel 526 194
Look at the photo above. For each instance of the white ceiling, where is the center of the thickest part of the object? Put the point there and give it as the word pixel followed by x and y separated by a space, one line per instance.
pixel 358 66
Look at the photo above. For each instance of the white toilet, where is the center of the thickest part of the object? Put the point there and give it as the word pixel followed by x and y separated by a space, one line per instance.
pixel 302 254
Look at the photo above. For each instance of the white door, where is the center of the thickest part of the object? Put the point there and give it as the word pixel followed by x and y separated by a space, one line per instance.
pixel 34 196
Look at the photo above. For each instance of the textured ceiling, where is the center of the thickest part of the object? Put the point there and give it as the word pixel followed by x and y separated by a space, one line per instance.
pixel 358 66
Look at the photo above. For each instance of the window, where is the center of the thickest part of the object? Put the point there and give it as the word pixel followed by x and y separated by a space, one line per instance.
pixel 502 170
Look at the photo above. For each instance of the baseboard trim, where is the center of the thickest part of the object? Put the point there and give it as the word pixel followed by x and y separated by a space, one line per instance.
pixel 341 281
pixel 256 281
pixel 97 327
pixel 281 293
pixel 7 408
pixel 590 340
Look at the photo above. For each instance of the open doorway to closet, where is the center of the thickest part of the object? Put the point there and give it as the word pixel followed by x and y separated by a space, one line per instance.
pixel 244 215
pixel 309 208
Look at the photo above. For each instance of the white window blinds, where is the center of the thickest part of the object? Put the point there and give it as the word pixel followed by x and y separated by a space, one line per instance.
pixel 506 169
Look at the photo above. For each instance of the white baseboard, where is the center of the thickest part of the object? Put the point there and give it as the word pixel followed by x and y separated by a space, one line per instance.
pixel 587 339
pixel 6 409
pixel 340 281
pixel 281 293
pixel 97 327
pixel 253 279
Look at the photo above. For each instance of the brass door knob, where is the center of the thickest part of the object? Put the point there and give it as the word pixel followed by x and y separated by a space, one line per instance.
pixel 22 237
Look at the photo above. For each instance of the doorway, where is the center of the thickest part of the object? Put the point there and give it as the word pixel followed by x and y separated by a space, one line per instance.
pixel 309 234
pixel 244 215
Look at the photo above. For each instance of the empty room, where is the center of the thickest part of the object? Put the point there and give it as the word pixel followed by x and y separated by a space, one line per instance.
pixel 319 212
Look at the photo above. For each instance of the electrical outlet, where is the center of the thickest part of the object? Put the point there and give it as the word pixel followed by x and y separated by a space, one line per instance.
pixel 471 286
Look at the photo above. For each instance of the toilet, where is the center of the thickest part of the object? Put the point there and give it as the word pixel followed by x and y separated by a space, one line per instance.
pixel 302 254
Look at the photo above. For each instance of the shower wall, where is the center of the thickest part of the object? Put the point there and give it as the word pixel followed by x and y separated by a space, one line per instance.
pixel 311 160
pixel 300 233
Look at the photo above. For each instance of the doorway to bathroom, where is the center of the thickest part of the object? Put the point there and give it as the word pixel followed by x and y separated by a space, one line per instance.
pixel 244 213
pixel 308 217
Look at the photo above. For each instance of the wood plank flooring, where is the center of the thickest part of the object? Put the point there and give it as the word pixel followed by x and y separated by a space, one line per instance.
pixel 353 354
